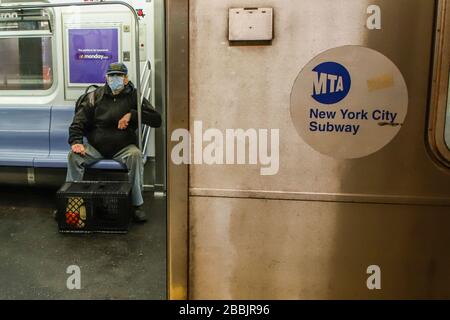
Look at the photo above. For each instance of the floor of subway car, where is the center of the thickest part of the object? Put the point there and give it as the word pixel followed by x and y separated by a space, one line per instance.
pixel 34 256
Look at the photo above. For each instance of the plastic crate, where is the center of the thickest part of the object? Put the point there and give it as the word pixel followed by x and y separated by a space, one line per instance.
pixel 94 206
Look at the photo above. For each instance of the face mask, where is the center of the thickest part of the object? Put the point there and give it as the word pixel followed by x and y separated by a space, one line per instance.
pixel 115 83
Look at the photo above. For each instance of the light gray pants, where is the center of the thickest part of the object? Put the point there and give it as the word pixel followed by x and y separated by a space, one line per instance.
pixel 131 156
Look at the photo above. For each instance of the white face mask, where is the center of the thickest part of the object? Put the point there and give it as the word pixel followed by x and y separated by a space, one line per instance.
pixel 116 83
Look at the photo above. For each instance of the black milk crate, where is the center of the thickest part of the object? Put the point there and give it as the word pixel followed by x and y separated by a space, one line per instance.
pixel 94 206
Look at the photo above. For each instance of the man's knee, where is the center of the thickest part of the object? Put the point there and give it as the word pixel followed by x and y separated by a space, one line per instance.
pixel 135 153
pixel 73 157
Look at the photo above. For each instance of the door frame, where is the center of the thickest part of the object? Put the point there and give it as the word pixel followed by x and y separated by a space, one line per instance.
pixel 177 84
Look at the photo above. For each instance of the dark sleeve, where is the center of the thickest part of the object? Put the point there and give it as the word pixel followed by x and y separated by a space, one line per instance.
pixel 150 116
pixel 81 121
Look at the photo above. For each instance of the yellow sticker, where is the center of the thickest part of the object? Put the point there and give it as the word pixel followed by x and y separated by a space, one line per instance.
pixel 382 82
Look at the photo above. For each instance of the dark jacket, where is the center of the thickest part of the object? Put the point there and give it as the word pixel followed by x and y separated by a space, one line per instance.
pixel 99 122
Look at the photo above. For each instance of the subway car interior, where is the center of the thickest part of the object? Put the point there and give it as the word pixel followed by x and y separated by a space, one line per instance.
pixel 51 52
pixel 304 149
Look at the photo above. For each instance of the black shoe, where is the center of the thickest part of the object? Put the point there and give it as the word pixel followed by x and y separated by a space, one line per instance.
pixel 139 215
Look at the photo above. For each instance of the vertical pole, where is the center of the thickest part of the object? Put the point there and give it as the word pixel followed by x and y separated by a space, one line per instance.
pixel 177 35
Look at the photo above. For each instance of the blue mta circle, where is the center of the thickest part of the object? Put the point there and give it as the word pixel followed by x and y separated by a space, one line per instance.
pixel 331 83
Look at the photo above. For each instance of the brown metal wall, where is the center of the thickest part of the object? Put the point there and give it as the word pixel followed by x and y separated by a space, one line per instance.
pixel 312 230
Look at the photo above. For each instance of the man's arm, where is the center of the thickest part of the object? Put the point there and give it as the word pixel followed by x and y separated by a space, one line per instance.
pixel 81 121
pixel 150 116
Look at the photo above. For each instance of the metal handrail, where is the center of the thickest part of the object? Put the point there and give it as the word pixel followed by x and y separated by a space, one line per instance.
pixel 147 69
pixel 4 7
pixel 145 93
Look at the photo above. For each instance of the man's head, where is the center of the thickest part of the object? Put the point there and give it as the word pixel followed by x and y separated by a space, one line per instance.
pixel 117 77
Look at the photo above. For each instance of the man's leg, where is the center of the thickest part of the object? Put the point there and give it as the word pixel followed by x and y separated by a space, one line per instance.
pixel 76 163
pixel 131 156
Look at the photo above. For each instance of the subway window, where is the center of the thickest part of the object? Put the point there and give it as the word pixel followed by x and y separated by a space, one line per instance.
pixel 26 50
pixel 26 64
pixel 447 120
pixel 439 118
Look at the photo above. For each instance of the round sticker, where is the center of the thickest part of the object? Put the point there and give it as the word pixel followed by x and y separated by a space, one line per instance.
pixel 349 102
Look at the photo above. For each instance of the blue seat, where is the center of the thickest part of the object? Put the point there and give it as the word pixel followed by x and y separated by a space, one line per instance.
pixel 61 117
pixel 108 165
pixel 43 143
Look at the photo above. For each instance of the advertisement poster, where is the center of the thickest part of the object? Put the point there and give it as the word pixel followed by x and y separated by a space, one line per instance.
pixel 90 53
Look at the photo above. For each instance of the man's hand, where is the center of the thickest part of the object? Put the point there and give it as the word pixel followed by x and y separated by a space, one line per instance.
pixel 123 123
pixel 79 149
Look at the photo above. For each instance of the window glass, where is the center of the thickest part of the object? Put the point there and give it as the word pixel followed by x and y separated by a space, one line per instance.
pixel 447 120
pixel 25 50
pixel 26 63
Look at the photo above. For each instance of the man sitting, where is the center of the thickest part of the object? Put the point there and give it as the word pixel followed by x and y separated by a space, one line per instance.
pixel 108 118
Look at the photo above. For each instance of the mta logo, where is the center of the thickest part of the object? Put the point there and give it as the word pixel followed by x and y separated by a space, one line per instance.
pixel 332 83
